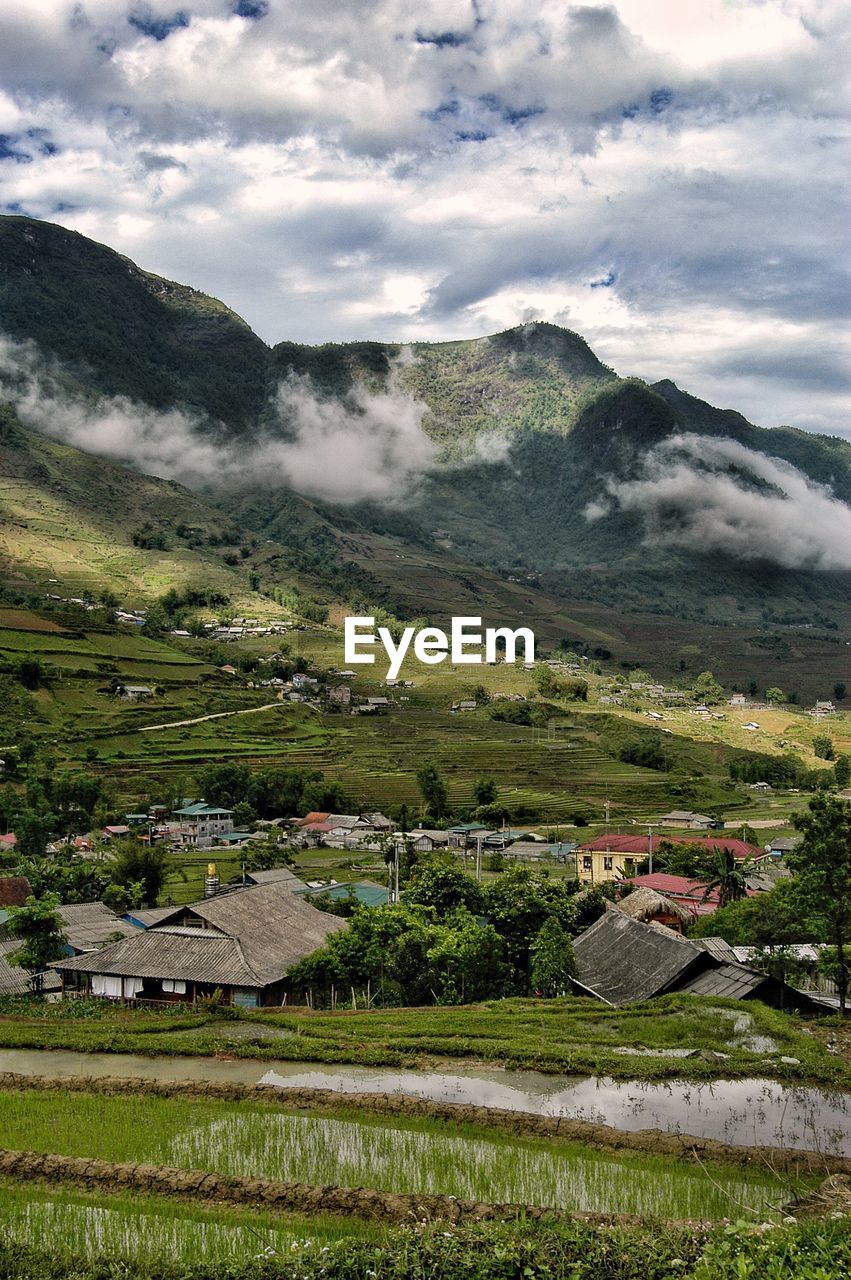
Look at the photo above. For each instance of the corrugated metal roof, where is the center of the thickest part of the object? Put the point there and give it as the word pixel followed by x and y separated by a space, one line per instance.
pixel 15 981
pixel 277 875
pixel 255 935
pixel 88 925
pixel 149 916
pixel 157 953
pixel 622 960
pixel 732 981
pixel 718 948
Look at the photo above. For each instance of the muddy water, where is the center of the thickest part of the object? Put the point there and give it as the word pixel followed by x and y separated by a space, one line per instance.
pixel 741 1112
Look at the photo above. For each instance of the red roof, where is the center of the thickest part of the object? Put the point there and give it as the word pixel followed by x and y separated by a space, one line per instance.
pixel 689 893
pixel 14 891
pixel 9 840
pixel 316 826
pixel 640 845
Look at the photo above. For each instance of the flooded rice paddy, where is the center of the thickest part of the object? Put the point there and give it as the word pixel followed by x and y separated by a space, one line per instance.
pixel 354 1154
pixel 144 1235
pixel 757 1112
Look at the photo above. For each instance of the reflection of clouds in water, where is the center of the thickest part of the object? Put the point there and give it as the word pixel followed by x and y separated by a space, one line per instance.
pixel 741 1112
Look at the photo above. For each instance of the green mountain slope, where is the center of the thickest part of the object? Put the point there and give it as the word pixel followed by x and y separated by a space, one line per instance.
pixel 122 331
pixel 530 425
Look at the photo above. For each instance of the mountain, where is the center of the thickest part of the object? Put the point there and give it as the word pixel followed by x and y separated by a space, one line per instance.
pixel 551 470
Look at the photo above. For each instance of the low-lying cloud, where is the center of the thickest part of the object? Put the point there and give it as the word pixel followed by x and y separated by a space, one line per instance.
pixel 368 446
pixel 710 495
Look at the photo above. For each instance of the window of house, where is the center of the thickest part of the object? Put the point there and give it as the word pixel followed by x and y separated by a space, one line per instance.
pixel 607 864
pixel 587 863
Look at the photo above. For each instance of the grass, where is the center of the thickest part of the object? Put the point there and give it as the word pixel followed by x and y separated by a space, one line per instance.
pixel 574 1037
pixel 412 1156
pixel 153 1229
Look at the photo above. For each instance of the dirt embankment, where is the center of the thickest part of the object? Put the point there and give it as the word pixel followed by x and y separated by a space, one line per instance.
pixel 518 1123
pixel 290 1197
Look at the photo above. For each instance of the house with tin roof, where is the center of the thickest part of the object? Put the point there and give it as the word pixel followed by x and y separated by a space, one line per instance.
pixel 240 943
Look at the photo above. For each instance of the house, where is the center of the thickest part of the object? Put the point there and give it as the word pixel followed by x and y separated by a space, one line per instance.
pixel 692 894
pixel 277 875
pixel 425 841
pixel 115 830
pixel 467 705
pixel 241 943
pixel 8 841
pixel 783 845
pixel 597 866
pixel 620 960
pixel 639 847
pixel 648 906
pixel 685 818
pixel 341 694
pixel 88 926
pixel 201 823
pixel 134 692
pixel 738 700
pixel 467 833
pixel 363 892
pixel 824 708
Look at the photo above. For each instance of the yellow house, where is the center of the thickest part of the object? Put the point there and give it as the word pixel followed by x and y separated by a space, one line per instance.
pixel 596 866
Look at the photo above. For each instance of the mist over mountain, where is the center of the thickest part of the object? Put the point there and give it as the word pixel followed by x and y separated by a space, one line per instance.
pixel 520 452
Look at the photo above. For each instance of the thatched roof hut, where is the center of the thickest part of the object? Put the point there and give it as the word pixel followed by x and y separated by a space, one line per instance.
pixel 647 906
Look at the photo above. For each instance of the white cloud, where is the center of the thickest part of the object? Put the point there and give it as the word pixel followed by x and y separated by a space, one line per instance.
pixel 377 169
pixel 716 495
pixel 365 447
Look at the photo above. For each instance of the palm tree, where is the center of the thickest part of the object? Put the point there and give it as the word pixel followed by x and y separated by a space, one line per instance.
pixel 730 878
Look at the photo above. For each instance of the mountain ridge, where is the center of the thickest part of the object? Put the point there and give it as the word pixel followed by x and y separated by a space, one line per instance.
pixel 542 447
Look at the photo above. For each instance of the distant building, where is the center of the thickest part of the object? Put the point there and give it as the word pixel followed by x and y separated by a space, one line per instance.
pixel 134 692
pixel 201 824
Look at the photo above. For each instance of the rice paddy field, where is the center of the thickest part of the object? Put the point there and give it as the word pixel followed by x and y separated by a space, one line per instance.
pixel 421 1157
pixel 571 1037
pixel 151 1229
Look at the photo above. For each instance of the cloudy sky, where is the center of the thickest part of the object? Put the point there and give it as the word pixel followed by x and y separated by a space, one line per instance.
pixel 667 177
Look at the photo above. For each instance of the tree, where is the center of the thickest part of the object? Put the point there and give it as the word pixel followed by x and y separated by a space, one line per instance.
pixel 433 789
pixel 839 690
pixel 39 928
pixel 143 864
pixel 31 673
pixel 553 961
pixel 440 883
pixel 822 864
pixel 243 815
pixel 775 696
pixel 729 877
pixel 842 770
pixel 485 791
pixel 823 746
pixel 707 689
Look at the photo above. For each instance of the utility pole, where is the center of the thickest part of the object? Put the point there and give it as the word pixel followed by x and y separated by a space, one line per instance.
pixel 650 849
pixel 479 856
pixel 608 812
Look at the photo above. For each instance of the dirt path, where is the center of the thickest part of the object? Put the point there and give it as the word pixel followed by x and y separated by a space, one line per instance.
pixel 215 715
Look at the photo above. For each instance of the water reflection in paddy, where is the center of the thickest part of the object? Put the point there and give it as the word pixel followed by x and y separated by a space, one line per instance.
pixel 744 1112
